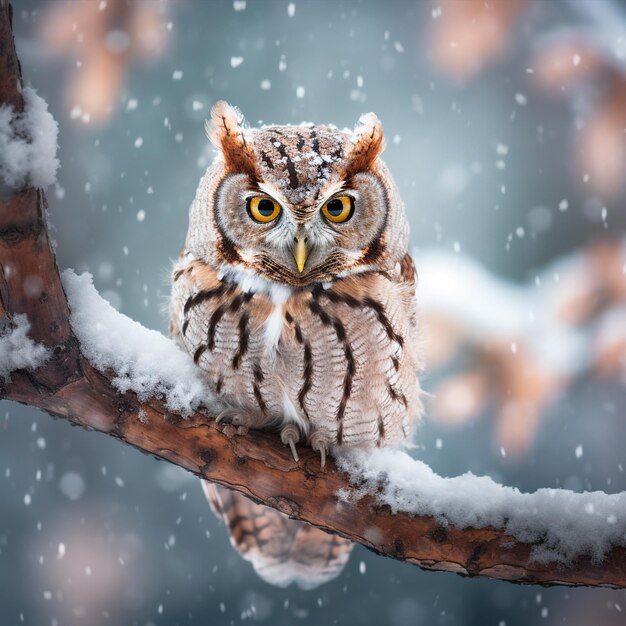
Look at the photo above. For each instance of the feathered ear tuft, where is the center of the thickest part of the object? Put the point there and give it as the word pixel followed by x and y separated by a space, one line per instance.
pixel 226 133
pixel 368 144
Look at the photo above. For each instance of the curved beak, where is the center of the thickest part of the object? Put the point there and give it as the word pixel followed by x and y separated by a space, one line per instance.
pixel 300 252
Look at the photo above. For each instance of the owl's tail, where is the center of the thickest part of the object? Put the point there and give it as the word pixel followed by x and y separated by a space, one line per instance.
pixel 280 549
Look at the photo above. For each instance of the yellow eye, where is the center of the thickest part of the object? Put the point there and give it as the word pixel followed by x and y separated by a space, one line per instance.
pixel 263 209
pixel 339 209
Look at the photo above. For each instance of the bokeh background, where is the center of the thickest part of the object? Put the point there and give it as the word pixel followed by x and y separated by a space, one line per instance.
pixel 506 132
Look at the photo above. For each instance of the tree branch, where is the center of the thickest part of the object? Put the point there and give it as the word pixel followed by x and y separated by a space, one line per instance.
pixel 257 465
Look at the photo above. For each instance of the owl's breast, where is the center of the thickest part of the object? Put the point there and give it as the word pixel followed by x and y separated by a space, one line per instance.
pixel 338 361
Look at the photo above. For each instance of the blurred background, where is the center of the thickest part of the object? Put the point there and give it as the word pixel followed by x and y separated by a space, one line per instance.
pixel 506 132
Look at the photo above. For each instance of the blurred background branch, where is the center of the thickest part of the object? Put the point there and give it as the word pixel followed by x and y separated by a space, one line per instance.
pixel 520 347
pixel 102 39
pixel 469 35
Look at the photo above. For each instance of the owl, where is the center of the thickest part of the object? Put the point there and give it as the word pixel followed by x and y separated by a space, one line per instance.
pixel 295 294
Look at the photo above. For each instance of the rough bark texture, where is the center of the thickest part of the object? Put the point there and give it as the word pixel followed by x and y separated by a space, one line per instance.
pixel 257 465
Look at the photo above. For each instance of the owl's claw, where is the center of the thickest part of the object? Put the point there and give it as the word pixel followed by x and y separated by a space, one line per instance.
pixel 232 423
pixel 233 417
pixel 322 457
pixel 292 445
pixel 231 430
pixel 290 434
pixel 320 443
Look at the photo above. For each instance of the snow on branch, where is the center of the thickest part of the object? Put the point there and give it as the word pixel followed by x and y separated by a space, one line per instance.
pixel 28 144
pixel 142 360
pixel 17 350
pixel 96 376
pixel 559 524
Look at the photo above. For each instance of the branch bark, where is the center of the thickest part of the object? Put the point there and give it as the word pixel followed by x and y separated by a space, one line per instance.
pixel 257 465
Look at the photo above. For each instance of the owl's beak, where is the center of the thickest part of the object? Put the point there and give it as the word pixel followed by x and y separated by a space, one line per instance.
pixel 300 253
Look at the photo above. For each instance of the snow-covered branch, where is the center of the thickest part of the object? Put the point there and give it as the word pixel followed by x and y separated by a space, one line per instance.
pixel 142 360
pixel 561 525
pixel 100 370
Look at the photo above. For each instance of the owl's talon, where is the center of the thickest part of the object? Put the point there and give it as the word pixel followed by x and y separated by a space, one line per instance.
pixel 234 417
pixel 322 457
pixel 229 430
pixel 242 431
pixel 320 443
pixel 290 435
pixel 292 445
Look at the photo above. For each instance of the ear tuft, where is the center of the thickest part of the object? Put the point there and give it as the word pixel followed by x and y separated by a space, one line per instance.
pixel 226 132
pixel 226 120
pixel 368 144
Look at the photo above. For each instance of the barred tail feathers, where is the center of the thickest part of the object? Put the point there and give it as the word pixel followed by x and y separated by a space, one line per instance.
pixel 281 550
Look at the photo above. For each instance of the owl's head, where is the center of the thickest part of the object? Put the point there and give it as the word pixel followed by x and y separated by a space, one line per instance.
pixel 296 205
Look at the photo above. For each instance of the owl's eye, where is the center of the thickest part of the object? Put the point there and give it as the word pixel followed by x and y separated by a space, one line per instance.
pixel 263 209
pixel 339 209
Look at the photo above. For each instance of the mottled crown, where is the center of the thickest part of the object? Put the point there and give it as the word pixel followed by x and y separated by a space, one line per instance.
pixel 299 160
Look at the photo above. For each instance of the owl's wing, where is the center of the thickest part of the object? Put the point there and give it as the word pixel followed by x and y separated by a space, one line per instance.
pixel 281 550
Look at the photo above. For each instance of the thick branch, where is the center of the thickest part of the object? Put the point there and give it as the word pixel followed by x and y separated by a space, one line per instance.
pixel 257 465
